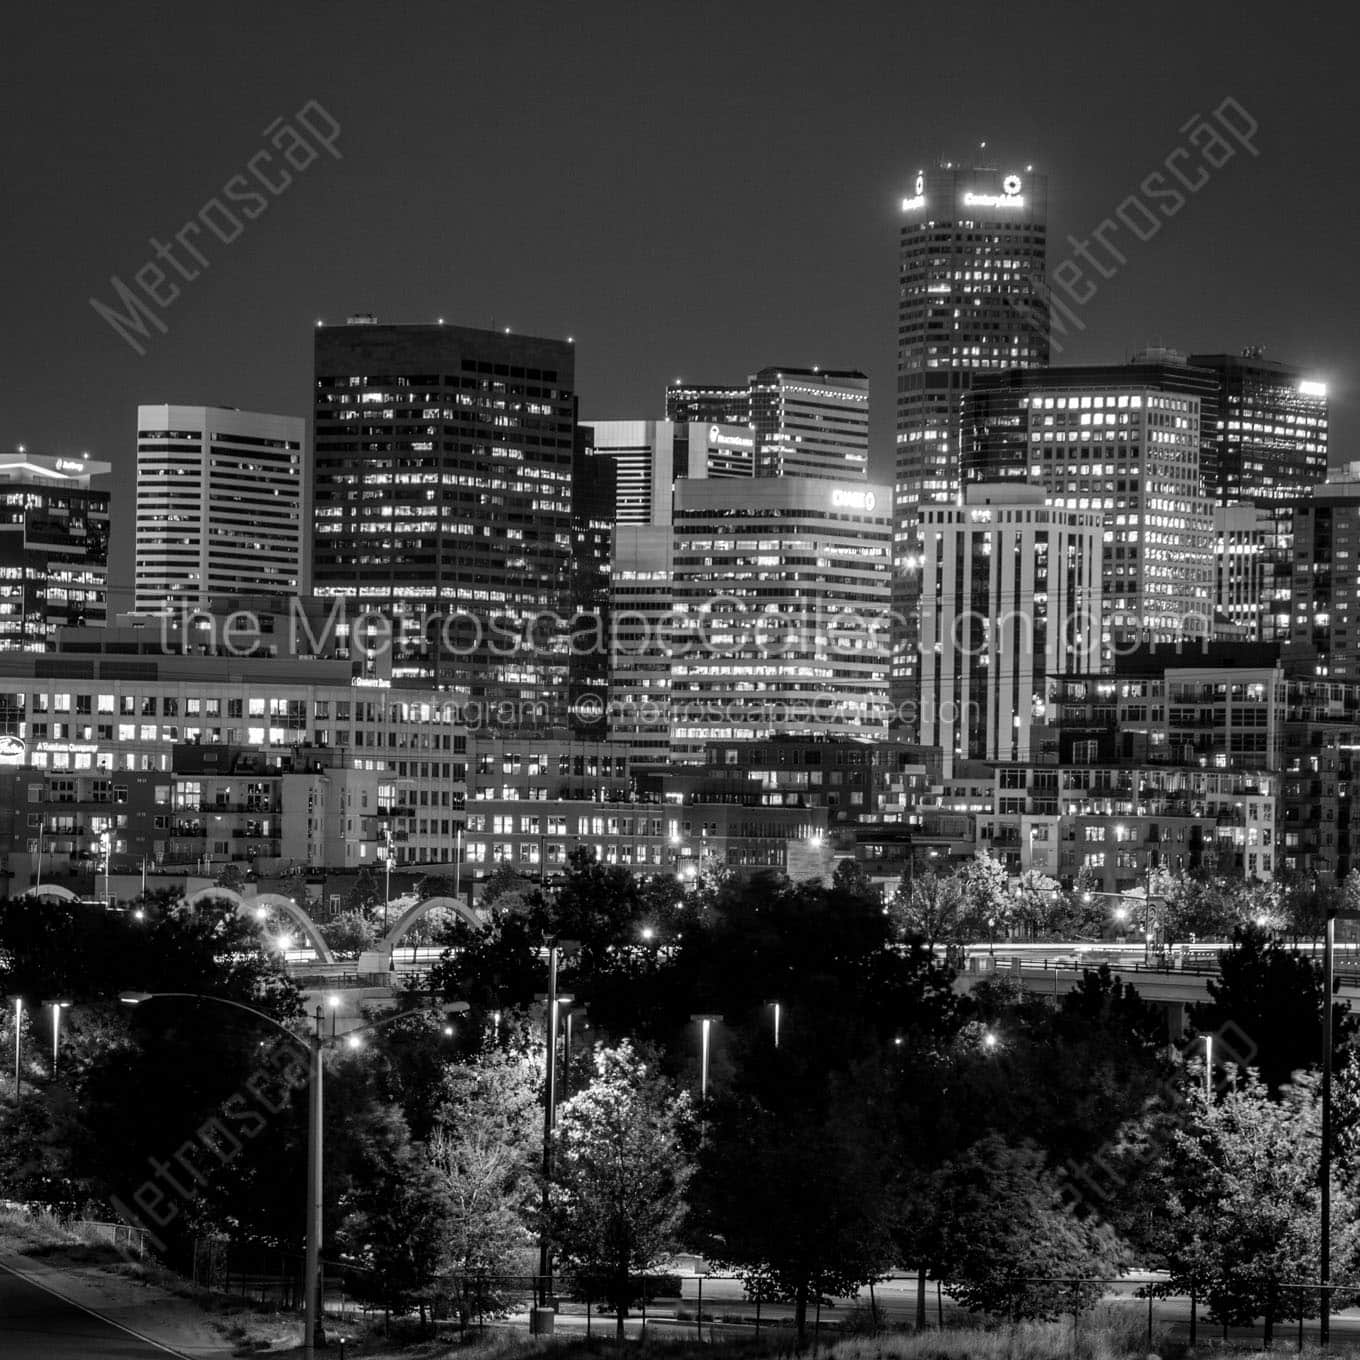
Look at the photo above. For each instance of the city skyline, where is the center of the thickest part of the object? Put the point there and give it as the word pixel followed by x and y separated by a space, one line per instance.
pixel 805 280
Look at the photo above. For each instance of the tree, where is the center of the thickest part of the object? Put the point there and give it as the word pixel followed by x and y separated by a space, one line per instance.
pixel 1275 997
pixel 484 1148
pixel 365 893
pixel 349 934
pixel 231 876
pixel 393 1215
pixel 620 1173
pixel 794 1187
pixel 1036 902
pixel 1006 1245
pixel 1240 1219
pixel 986 898
pixel 927 905
pixel 850 878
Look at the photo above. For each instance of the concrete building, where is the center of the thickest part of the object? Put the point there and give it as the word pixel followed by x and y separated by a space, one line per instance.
pixel 1012 596
pixel 54 547
pixel 99 716
pixel 221 505
pixel 780 601
pixel 1244 569
pixel 641 602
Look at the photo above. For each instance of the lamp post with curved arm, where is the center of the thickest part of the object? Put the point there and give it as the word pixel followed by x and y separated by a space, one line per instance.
pixel 314 1334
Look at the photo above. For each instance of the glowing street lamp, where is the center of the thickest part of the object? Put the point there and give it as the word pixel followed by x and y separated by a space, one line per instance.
pixel 57 1008
pixel 706 1023
pixel 314 1334
pixel 18 1043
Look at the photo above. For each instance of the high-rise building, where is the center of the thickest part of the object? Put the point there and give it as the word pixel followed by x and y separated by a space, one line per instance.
pixel 221 505
pixel 971 298
pixel 594 491
pixel 1124 440
pixel 1011 595
pixel 811 422
pixel 808 422
pixel 1244 568
pixel 1264 442
pixel 708 403
pixel 650 454
pixel 442 488
pixel 780 610
pixel 1263 432
pixel 1326 577
pixel 54 547
pixel 641 601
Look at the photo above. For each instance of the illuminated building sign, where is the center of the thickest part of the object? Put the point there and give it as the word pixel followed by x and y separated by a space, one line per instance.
pixel 70 465
pixel 12 750
pixel 993 200
pixel 854 500
pixel 910 203
pixel 1312 389
pixel 732 441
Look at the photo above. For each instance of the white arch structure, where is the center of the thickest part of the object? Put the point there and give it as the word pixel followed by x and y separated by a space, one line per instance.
pixel 413 913
pixel 51 890
pixel 272 902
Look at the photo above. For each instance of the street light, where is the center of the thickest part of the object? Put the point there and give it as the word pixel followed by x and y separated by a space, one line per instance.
pixel 705 1031
pixel 387 872
pixel 314 1333
pixel 1325 1167
pixel 572 1015
pixel 57 1008
pixel 564 948
pixel 18 1044
pixel 106 845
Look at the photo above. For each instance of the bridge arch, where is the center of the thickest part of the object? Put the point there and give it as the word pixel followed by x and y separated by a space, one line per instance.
pixel 51 890
pixel 272 902
pixel 413 913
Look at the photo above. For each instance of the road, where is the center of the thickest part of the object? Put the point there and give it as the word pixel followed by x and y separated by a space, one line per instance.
pixel 36 1324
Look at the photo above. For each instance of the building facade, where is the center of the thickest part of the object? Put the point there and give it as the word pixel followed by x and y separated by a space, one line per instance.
pixel 811 422
pixel 648 456
pixel 1011 596
pixel 442 485
pixel 972 298
pixel 1123 440
pixel 221 505
pixel 54 548
pixel 779 621
pixel 102 716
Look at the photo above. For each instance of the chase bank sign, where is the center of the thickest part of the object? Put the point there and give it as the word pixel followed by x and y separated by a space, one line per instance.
pixel 844 499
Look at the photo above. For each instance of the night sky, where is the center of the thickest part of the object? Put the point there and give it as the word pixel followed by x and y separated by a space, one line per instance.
pixel 689 190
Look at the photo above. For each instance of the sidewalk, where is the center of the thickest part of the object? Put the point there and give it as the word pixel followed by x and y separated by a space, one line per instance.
pixel 145 1309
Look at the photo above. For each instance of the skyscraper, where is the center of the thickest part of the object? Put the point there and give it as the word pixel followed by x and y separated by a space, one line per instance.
pixel 1326 577
pixel 780 600
pixel 1123 440
pixel 811 422
pixel 708 403
pixel 54 546
pixel 650 454
pixel 1264 443
pixel 1011 596
pixel 808 422
pixel 442 488
pixel 971 298
pixel 221 497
